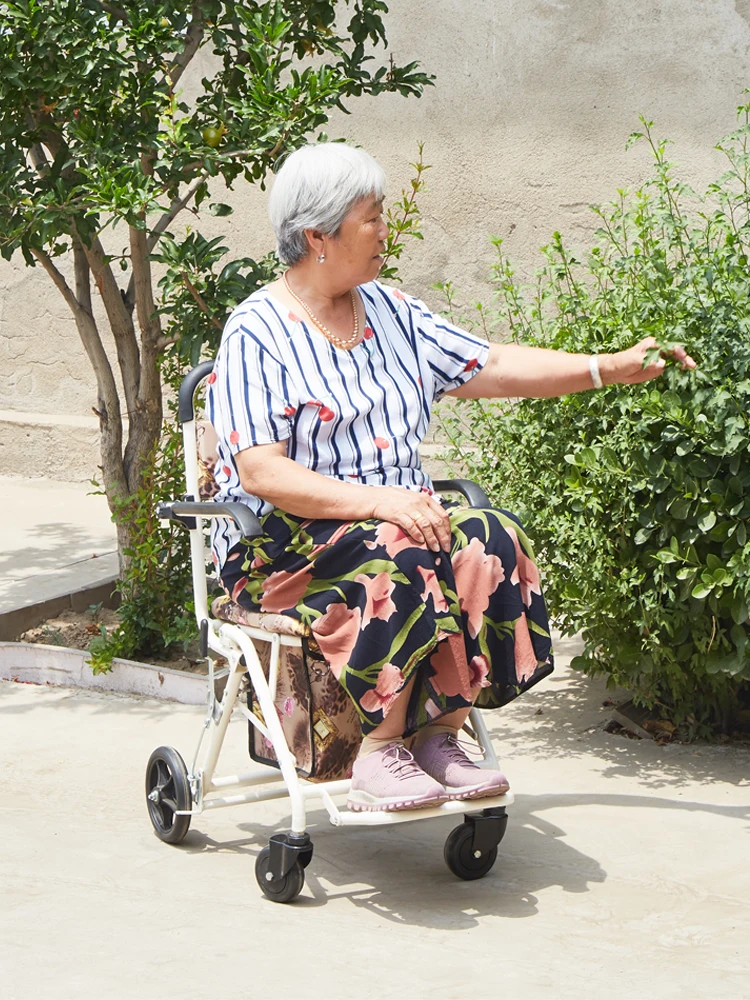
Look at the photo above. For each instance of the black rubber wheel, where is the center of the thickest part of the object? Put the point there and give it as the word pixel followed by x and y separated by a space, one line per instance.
pixel 459 855
pixel 282 890
pixel 167 790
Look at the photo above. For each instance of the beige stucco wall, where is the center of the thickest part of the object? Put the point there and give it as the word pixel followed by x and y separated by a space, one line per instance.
pixel 526 126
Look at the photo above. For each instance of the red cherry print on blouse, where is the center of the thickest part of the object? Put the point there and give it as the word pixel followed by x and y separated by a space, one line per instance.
pixel 234 437
pixel 369 332
pixel 419 381
pixel 227 471
pixel 471 365
pixel 426 489
pixel 211 378
pixel 294 318
pixel 399 295
pixel 326 414
pixel 289 411
pixel 381 443
pixel 314 402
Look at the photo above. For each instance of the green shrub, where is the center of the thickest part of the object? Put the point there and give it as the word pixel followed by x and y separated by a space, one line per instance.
pixel 156 609
pixel 638 497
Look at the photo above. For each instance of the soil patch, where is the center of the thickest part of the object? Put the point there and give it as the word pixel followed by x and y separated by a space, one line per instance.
pixel 76 629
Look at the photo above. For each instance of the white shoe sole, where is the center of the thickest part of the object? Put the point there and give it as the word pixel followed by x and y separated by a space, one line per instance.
pixel 482 791
pixel 359 801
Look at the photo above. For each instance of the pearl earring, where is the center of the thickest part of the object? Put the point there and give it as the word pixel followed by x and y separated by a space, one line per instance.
pixel 321 258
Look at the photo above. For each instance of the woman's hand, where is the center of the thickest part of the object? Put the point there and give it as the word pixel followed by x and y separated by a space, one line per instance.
pixel 626 367
pixel 421 516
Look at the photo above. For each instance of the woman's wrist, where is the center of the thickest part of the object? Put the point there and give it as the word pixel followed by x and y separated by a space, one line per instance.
pixel 608 369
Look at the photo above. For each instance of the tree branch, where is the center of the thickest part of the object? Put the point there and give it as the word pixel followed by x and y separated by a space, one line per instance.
pixel 200 300
pixel 38 158
pixel 172 212
pixel 60 283
pixel 120 321
pixel 117 12
pixel 82 276
pixel 145 426
pixel 108 408
pixel 193 39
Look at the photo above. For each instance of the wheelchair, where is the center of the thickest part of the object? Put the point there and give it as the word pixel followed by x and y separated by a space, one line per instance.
pixel 248 655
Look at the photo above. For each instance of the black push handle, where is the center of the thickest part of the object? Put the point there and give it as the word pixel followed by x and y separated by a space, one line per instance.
pixel 185 512
pixel 185 407
pixel 473 493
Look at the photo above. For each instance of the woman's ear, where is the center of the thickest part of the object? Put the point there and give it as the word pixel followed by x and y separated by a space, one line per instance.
pixel 316 240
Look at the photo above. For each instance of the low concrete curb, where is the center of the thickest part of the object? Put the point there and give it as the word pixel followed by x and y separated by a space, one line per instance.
pixel 16 620
pixel 61 667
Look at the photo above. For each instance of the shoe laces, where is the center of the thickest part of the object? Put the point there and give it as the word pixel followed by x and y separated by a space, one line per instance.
pixel 460 752
pixel 400 762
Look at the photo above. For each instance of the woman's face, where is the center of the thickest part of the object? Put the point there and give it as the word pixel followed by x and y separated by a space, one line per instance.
pixel 356 249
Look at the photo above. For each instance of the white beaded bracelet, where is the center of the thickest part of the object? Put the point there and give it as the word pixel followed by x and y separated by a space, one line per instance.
pixel 596 377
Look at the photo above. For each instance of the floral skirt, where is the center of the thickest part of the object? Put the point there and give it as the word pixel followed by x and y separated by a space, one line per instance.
pixel 469 625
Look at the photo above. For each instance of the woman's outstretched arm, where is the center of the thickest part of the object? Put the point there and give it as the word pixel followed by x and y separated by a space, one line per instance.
pixel 515 371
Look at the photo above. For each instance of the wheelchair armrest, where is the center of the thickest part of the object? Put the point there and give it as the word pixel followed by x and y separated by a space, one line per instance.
pixel 473 493
pixel 185 511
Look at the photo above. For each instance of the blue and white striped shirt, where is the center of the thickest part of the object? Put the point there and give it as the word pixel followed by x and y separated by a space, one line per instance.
pixel 357 415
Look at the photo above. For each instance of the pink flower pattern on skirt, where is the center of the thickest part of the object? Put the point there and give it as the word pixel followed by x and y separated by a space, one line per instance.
pixel 478 574
pixel 283 590
pixel 479 670
pixel 432 589
pixel 525 573
pixel 393 538
pixel 384 610
pixel 526 659
pixel 336 632
pixel 381 697
pixel 378 589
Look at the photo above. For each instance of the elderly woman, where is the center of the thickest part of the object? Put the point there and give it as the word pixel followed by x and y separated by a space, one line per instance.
pixel 321 395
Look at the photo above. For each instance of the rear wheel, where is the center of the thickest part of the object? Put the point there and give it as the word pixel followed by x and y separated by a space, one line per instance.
pixel 167 793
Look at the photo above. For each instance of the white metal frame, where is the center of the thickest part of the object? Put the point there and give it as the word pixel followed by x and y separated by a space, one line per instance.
pixel 233 642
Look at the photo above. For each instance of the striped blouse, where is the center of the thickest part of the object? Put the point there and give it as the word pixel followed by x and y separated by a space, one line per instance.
pixel 356 415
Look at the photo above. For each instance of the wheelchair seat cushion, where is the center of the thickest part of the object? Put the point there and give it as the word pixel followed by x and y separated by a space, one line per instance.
pixel 225 608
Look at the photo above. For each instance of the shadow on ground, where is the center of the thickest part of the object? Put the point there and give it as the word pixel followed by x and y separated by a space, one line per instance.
pixel 565 716
pixel 59 545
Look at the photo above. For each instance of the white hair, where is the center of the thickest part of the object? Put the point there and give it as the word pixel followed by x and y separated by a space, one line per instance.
pixel 315 188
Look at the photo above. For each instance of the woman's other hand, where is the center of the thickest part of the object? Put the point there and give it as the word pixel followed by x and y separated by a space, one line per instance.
pixel 626 367
pixel 422 517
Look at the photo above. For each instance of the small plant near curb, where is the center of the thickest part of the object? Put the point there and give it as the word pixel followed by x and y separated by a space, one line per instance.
pixel 639 497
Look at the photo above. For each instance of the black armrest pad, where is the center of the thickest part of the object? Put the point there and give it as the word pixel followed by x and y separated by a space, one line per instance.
pixel 242 516
pixel 473 493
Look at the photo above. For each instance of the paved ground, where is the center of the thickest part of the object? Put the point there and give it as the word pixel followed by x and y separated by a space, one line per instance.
pixel 54 538
pixel 624 871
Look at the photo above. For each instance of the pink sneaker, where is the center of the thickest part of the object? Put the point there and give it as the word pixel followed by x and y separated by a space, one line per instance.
pixel 390 780
pixel 443 757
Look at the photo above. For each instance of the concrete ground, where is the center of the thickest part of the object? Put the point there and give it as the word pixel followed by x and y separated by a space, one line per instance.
pixel 623 873
pixel 54 537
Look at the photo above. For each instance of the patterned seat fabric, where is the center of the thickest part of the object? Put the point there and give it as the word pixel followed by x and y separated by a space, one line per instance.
pixel 228 611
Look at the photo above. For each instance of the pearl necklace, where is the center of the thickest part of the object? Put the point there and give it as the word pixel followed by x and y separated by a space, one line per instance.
pixel 338 341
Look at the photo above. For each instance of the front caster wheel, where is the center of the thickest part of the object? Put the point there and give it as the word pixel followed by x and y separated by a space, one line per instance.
pixel 281 890
pixel 167 792
pixel 461 857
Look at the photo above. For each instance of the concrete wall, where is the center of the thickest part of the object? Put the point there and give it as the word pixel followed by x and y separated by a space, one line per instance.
pixel 526 127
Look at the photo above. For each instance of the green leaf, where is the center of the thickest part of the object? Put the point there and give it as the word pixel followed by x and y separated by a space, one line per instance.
pixel 707 521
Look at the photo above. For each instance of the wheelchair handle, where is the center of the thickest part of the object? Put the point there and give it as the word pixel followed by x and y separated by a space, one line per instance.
pixel 185 512
pixel 473 493
pixel 185 407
